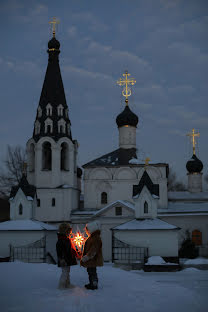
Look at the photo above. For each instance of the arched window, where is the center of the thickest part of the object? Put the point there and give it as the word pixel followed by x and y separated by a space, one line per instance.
pixel 64 157
pixel 53 202
pixel 104 198
pixel 20 209
pixel 145 207
pixel 38 202
pixel 46 156
pixel 197 237
pixel 31 158
pixel 48 128
pixel 61 129
pixel 49 109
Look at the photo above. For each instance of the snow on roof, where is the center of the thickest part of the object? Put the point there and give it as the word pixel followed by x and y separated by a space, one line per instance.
pixel 134 161
pixel 178 207
pixel 187 195
pixel 145 224
pixel 26 225
pixel 29 198
pixel 122 202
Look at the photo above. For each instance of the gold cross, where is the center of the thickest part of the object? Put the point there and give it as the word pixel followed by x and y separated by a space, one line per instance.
pixel 147 159
pixel 126 82
pixel 193 135
pixel 54 22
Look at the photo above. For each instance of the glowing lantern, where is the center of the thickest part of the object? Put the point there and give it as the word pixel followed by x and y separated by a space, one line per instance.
pixel 78 239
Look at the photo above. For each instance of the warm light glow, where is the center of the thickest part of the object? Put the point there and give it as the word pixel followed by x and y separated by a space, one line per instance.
pixel 78 239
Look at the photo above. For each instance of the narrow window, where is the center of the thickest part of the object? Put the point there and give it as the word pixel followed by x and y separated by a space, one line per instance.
pixel 118 211
pixel 53 202
pixel 38 202
pixel 64 157
pixel 197 237
pixel 104 198
pixel 20 209
pixel 61 129
pixel 145 207
pixel 46 156
pixel 48 128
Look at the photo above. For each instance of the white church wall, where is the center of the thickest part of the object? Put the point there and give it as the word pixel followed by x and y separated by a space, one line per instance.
pixel 127 137
pixel 191 223
pixel 65 201
pixel 160 243
pixel 145 196
pixel 16 239
pixel 120 184
pixel 20 198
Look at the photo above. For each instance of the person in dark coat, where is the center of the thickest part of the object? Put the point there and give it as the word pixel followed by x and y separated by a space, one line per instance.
pixel 66 255
pixel 92 253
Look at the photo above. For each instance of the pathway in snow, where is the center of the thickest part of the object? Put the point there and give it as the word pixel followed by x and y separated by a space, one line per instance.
pixel 33 288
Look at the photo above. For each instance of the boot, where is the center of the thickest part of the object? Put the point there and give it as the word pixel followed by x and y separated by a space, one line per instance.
pixel 92 286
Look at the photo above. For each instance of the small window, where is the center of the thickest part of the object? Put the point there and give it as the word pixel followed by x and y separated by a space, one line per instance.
pixel 48 128
pixel 104 198
pixel 118 211
pixel 145 207
pixel 197 237
pixel 20 209
pixel 38 202
pixel 53 202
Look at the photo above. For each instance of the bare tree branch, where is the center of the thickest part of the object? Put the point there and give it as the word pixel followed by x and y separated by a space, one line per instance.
pixel 173 184
pixel 12 171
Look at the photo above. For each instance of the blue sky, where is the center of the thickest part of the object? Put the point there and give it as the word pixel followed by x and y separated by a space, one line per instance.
pixel 163 44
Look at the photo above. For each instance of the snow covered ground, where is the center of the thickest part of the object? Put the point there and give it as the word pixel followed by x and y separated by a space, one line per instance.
pixel 30 287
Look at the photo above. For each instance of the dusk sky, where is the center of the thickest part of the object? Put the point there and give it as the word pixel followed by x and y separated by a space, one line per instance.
pixel 163 44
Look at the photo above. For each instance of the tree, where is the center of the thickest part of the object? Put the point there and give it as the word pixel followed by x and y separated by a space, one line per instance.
pixel 173 184
pixel 13 166
pixel 188 248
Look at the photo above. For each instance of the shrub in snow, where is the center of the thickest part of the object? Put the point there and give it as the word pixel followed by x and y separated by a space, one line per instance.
pixel 188 248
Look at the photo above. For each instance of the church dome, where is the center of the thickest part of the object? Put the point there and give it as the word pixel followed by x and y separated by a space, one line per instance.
pixel 127 117
pixel 194 165
pixel 54 44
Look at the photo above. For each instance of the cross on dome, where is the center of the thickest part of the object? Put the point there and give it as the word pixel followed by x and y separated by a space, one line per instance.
pixel 193 135
pixel 126 82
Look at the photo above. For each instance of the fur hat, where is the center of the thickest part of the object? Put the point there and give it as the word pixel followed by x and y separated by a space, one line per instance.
pixel 93 226
pixel 64 228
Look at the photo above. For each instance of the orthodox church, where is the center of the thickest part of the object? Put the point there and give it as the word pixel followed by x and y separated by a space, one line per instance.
pixel 138 216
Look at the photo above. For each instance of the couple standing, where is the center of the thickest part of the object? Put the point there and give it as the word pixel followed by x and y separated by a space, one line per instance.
pixel 90 258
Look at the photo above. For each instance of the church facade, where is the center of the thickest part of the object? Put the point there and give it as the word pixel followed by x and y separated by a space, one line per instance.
pixel 129 198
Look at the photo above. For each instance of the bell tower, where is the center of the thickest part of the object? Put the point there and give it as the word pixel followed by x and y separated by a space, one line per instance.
pixel 51 152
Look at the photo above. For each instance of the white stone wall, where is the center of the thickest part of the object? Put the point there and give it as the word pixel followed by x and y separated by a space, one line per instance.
pixel 195 182
pixel 17 238
pixel 118 184
pixel 127 137
pixel 48 182
pixel 139 205
pixel 27 211
pixel 191 223
pixel 162 243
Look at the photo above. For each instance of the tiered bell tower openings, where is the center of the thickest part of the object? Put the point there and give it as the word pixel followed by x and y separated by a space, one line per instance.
pixel 49 109
pixel 46 156
pixel 62 126
pixel 48 125
pixel 37 127
pixel 60 109
pixel 64 160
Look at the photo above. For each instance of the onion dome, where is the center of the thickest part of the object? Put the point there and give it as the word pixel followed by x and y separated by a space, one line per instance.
pixel 194 165
pixel 79 172
pixel 53 44
pixel 127 117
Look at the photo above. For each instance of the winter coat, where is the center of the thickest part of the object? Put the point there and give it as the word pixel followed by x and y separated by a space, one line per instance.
pixel 93 249
pixel 65 251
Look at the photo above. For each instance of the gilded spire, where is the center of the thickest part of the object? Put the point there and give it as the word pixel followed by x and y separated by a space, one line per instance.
pixel 193 135
pixel 127 82
pixel 54 22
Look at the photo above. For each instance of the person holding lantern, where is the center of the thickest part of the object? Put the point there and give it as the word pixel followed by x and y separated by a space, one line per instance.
pixel 66 255
pixel 92 253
